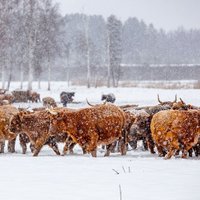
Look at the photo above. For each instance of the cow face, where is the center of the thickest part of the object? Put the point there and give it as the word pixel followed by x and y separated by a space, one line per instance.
pixel 57 124
pixel 15 123
pixel 103 97
pixel 169 103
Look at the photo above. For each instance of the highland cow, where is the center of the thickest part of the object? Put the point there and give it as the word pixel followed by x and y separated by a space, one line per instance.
pixel 66 97
pixel 108 97
pixel 174 130
pixel 49 102
pixel 90 127
pixel 35 126
pixel 6 113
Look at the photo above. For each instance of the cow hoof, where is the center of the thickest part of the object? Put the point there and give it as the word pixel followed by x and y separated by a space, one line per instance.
pixel 167 157
pixel 184 157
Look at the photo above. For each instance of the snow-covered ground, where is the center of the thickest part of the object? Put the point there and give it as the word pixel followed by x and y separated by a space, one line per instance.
pixel 141 175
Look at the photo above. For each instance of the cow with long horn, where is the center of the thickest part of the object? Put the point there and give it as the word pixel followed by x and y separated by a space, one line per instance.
pixel 174 130
pixel 90 127
pixel 170 103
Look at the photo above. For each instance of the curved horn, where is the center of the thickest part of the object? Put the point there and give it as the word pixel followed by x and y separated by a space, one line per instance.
pixel 159 99
pixel 182 101
pixel 105 102
pixel 51 111
pixel 175 100
pixel 89 103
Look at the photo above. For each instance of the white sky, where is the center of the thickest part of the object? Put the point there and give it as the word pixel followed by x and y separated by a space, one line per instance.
pixel 167 14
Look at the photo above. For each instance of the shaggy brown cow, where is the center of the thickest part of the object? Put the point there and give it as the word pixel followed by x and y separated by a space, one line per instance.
pixel 35 126
pixel 140 130
pixel 24 123
pixel 6 112
pixel 33 96
pixel 174 130
pixel 141 127
pixel 90 127
pixel 49 102
pixel 129 120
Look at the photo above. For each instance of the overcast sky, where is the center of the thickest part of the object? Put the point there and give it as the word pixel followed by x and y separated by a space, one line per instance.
pixel 167 14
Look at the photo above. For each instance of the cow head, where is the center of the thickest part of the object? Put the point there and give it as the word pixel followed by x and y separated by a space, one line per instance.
pixel 15 122
pixel 181 105
pixel 56 122
pixel 103 97
pixel 169 103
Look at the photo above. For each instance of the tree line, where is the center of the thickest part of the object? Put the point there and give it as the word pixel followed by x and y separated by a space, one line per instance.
pixel 35 39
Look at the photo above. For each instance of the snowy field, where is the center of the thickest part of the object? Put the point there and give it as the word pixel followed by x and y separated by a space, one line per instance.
pixel 141 175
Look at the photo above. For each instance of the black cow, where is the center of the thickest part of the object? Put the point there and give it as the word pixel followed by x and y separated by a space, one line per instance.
pixel 108 97
pixel 66 97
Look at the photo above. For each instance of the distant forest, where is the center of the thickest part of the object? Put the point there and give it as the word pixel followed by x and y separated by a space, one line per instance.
pixel 38 43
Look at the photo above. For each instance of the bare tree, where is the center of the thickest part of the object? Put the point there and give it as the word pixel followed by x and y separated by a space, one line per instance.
pixel 86 29
pixel 50 28
pixel 114 27
pixel 30 23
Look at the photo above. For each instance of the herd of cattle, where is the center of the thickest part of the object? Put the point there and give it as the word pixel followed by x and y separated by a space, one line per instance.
pixel 170 127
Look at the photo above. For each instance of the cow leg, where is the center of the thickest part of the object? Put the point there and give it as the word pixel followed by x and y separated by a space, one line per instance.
pixel 145 144
pixel 118 144
pixel 52 143
pixel 94 153
pixel 109 148
pixel 65 149
pixel 196 150
pixel 2 145
pixel 177 152
pixel 69 145
pixel 84 150
pixel 172 147
pixel 161 151
pixel 170 153
pixel 184 153
pixel 32 148
pixel 190 152
pixel 150 144
pixel 133 144
pixel 23 142
pixel 114 145
pixel 11 145
pixel 38 146
pixel 123 146
pixel 186 149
